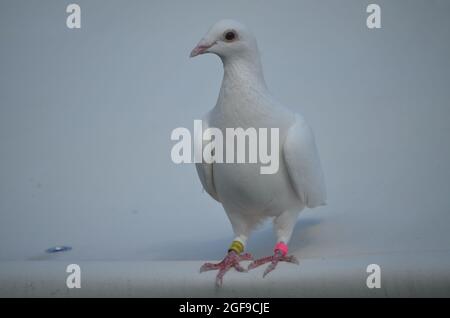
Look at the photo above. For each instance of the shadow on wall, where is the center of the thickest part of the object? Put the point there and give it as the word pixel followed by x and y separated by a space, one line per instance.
pixel 260 244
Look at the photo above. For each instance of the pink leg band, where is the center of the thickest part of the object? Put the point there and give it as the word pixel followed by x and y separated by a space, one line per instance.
pixel 283 248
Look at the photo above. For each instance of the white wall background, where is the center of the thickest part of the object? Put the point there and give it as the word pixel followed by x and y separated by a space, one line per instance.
pixel 86 117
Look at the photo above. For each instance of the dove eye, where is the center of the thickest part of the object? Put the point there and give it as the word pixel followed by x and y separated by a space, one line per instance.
pixel 230 36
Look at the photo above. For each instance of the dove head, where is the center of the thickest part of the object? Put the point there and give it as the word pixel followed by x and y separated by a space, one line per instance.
pixel 229 40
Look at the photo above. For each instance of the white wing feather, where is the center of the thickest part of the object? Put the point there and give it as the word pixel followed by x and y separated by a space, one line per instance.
pixel 205 170
pixel 303 164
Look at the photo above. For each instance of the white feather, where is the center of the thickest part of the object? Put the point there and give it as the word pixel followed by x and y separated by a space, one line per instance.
pixel 205 170
pixel 303 164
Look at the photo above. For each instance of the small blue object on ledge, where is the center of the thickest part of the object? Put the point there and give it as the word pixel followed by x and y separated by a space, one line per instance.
pixel 58 249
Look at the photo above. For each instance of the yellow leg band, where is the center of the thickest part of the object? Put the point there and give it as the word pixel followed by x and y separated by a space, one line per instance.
pixel 236 246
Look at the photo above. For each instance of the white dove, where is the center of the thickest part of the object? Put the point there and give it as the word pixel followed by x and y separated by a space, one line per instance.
pixel 248 196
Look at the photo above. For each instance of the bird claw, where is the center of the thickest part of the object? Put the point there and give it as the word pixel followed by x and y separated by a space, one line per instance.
pixel 208 267
pixel 246 257
pixel 274 260
pixel 232 259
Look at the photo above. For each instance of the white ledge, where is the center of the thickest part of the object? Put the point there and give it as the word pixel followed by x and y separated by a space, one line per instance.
pixel 425 274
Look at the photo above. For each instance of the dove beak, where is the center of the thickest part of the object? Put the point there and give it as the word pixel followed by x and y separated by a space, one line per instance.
pixel 201 48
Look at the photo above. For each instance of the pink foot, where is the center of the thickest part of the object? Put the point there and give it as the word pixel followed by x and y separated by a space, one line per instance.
pixel 232 259
pixel 274 259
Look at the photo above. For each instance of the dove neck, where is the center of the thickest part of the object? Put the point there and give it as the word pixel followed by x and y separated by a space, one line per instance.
pixel 244 72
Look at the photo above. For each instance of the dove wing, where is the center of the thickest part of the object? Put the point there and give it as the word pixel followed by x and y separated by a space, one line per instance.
pixel 205 170
pixel 303 164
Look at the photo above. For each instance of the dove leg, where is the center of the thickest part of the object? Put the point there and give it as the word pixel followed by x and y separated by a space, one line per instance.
pixel 284 225
pixel 235 252
pixel 232 259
